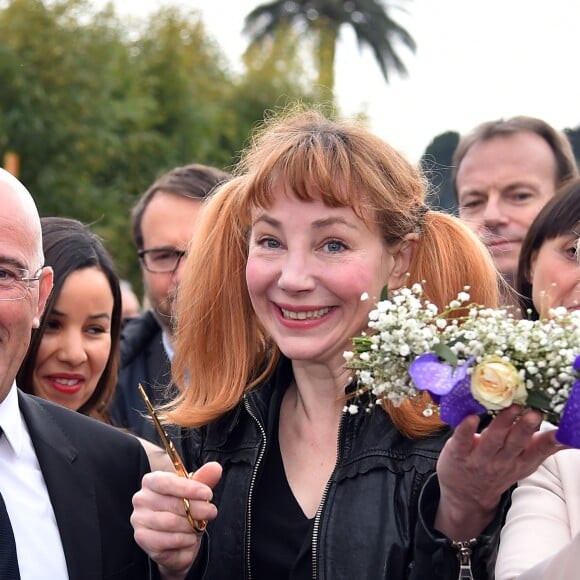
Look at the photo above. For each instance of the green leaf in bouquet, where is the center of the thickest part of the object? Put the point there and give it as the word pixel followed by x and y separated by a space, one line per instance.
pixel 361 344
pixel 445 353
pixel 539 400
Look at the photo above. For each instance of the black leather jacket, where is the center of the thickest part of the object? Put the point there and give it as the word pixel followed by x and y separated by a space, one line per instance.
pixel 375 520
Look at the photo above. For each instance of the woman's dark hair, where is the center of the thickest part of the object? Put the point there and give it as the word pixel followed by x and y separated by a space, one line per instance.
pixel 559 217
pixel 69 246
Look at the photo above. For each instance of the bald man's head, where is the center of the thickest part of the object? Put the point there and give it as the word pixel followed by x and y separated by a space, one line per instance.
pixel 22 299
pixel 17 207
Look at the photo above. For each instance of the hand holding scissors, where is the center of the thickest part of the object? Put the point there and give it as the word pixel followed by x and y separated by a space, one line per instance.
pixel 198 526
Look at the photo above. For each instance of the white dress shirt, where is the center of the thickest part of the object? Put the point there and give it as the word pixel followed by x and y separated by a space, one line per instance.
pixel 167 346
pixel 38 543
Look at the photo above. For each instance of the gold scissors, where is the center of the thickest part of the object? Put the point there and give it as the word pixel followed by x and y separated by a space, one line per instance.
pixel 198 526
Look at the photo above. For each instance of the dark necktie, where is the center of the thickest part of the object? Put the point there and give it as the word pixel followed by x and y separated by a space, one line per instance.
pixel 8 559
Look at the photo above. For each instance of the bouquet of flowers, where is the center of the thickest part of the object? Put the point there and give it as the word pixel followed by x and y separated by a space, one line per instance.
pixel 470 359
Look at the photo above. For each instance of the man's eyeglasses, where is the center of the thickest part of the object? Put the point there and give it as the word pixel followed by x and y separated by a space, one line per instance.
pixel 14 282
pixel 160 261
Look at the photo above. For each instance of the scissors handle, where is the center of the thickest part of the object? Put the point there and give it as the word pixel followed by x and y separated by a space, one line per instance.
pixel 198 526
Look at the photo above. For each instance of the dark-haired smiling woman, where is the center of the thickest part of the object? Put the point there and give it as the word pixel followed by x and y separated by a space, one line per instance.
pixel 541 538
pixel 73 355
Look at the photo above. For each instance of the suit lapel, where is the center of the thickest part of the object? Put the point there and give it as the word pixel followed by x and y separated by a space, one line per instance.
pixel 70 489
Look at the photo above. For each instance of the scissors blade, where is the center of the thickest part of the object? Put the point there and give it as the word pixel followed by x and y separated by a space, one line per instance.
pixel 167 443
pixel 198 526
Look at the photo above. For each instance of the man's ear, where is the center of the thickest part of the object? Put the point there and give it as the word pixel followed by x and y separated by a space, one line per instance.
pixel 44 289
pixel 403 256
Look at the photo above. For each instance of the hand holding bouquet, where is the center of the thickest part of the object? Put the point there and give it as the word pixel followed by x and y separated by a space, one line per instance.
pixel 470 359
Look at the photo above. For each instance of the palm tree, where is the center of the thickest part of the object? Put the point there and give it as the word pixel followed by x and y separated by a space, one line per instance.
pixel 322 20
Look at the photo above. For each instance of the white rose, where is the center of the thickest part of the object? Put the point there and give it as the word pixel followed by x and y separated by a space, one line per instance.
pixel 497 384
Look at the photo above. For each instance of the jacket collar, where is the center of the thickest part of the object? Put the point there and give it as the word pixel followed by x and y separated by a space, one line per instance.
pixel 70 488
pixel 218 432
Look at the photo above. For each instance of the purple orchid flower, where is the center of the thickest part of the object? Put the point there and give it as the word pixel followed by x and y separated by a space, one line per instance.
pixel 449 387
pixel 569 427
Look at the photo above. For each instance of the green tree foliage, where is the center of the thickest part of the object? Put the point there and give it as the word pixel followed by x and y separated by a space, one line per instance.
pixel 97 107
pixel 183 72
pixel 57 95
pixel 436 164
pixel 574 137
pixel 275 75
pixel 322 20
pixel 65 108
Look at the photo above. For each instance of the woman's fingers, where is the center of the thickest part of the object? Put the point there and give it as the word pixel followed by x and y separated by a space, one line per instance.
pixel 493 438
pixel 508 449
pixel 209 474
pixel 159 517
pixel 462 441
pixel 172 485
pixel 520 436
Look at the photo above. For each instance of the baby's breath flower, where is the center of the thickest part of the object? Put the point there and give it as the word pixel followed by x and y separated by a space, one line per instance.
pixel 407 326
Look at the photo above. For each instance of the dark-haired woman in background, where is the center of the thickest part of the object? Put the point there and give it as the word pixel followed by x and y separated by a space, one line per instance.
pixel 548 266
pixel 73 355
pixel 541 538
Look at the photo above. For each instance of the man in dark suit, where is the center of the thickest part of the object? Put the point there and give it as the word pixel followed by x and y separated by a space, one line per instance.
pixel 163 221
pixel 66 481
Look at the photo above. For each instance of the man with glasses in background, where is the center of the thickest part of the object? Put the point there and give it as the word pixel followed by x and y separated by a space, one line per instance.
pixel 163 222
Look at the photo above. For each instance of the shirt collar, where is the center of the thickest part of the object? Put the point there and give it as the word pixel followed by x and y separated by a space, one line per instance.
pixel 168 346
pixel 11 420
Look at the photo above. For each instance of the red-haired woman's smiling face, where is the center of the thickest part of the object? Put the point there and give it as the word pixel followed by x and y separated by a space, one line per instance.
pixel 307 267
